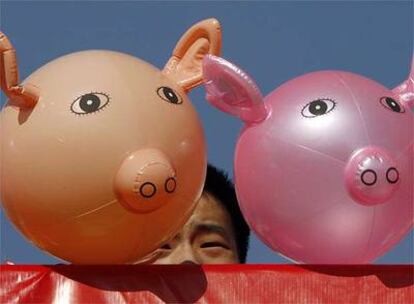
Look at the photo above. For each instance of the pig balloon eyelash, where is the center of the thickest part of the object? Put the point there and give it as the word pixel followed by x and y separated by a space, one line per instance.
pixel 90 103
pixel 312 109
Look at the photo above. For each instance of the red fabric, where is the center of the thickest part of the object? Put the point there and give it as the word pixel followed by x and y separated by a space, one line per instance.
pixel 207 284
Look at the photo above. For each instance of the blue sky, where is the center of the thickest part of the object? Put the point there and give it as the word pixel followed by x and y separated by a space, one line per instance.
pixel 273 41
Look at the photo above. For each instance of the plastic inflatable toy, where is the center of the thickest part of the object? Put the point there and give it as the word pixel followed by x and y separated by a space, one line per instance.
pixel 103 155
pixel 406 90
pixel 324 166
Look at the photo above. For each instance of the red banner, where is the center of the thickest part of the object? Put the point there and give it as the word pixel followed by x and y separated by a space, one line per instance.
pixel 207 284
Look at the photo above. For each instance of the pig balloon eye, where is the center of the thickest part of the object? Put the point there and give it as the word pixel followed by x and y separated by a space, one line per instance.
pixel 169 95
pixel 89 103
pixel 318 107
pixel 392 104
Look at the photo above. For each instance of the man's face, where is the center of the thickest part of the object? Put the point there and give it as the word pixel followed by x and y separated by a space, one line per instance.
pixel 206 238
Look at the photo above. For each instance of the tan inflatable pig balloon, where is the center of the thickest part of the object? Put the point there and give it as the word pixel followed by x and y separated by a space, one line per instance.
pixel 103 155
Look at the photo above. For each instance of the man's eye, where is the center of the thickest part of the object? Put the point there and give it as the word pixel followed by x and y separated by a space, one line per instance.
pixel 89 103
pixel 166 247
pixel 213 245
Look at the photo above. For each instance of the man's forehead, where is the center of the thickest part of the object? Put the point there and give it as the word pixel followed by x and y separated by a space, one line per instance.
pixel 209 215
pixel 211 227
pixel 208 209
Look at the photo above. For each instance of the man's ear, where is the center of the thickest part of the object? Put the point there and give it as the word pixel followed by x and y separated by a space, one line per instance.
pixel 185 64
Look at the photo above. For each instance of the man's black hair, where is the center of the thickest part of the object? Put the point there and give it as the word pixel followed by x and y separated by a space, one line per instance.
pixel 220 187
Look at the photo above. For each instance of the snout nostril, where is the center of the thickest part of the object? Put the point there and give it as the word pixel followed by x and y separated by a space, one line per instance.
pixel 369 177
pixel 170 185
pixel 392 175
pixel 147 190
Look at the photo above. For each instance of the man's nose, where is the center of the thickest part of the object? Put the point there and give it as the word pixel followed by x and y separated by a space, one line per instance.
pixel 188 263
pixel 184 254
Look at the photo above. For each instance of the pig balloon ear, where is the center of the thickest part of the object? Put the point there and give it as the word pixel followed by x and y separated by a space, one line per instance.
pixel 405 91
pixel 23 96
pixel 185 65
pixel 232 90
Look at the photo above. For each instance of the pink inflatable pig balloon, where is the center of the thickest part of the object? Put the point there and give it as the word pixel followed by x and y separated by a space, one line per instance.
pixel 405 91
pixel 103 155
pixel 324 166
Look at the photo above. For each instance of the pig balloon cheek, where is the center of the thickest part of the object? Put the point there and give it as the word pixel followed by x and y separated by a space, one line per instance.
pixel 90 103
pixel 371 176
